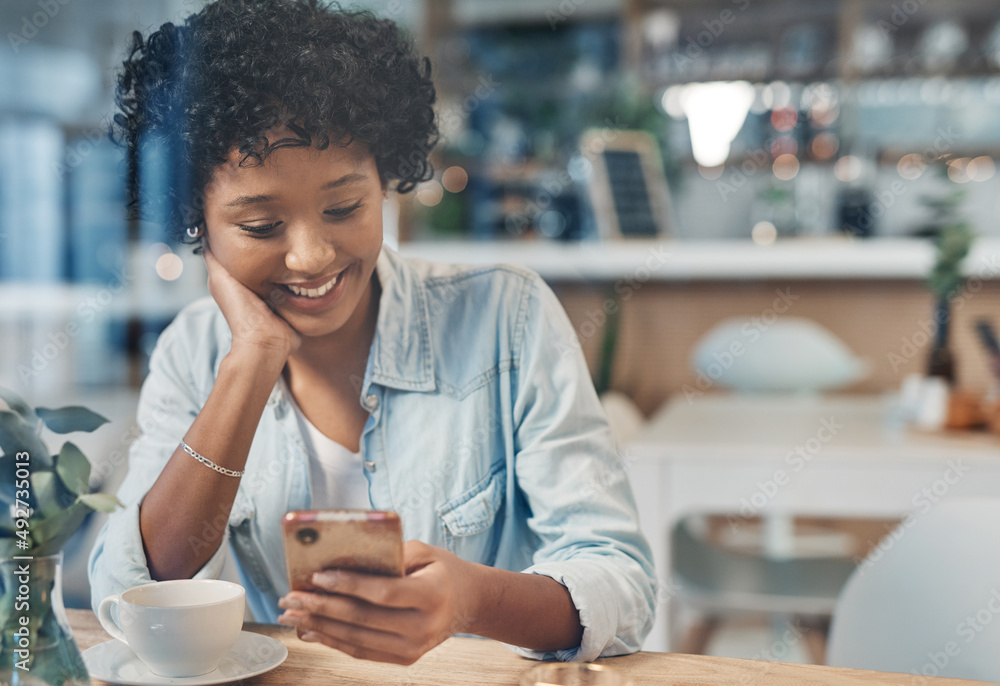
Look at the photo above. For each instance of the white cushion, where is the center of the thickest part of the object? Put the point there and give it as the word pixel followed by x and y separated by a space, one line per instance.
pixel 791 354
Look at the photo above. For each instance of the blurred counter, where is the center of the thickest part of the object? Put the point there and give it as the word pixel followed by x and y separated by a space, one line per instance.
pixel 673 260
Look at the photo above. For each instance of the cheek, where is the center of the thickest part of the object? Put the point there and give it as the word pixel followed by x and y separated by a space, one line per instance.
pixel 248 264
pixel 373 235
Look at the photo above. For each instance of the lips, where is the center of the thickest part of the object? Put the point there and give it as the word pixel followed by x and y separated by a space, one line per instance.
pixel 313 289
pixel 318 295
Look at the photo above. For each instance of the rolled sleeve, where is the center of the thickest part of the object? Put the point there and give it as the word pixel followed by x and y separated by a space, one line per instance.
pixel 614 613
pixel 582 507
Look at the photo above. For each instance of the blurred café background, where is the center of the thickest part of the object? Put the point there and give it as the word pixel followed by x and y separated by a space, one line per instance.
pixel 762 199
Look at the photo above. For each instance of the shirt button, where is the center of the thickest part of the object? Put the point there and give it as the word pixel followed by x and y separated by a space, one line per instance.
pixel 371 402
pixel 369 465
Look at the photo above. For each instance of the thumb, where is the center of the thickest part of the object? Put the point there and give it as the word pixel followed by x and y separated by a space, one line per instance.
pixel 417 554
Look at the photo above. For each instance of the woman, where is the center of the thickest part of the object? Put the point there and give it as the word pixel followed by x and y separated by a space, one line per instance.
pixel 326 371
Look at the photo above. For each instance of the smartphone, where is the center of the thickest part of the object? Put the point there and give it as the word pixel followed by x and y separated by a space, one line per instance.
pixel 368 541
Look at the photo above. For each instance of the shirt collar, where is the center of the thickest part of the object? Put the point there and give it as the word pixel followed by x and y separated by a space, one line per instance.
pixel 401 355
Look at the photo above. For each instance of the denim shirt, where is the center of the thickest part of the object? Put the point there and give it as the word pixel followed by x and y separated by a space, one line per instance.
pixel 485 434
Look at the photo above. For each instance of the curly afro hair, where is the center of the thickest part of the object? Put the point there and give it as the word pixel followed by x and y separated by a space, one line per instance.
pixel 191 94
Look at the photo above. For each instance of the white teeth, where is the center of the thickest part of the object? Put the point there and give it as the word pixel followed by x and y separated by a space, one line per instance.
pixel 314 292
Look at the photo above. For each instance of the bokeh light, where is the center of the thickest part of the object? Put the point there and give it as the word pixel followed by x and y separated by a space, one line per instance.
pixel 824 146
pixel 981 168
pixel 169 266
pixel 957 169
pixel 764 233
pixel 848 168
pixel 454 179
pixel 786 167
pixel 784 119
pixel 429 193
pixel 911 166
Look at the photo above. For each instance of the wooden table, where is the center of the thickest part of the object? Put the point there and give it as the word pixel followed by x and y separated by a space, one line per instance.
pixel 463 661
pixel 721 453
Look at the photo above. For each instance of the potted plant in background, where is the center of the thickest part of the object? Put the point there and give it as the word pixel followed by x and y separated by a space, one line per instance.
pixel 954 238
pixel 48 497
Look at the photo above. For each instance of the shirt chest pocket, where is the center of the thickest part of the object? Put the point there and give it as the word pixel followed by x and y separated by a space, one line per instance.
pixel 469 520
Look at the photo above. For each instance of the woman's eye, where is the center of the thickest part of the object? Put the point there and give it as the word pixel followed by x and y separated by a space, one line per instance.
pixel 344 211
pixel 260 230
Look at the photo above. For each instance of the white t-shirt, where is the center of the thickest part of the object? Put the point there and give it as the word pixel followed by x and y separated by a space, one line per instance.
pixel 336 474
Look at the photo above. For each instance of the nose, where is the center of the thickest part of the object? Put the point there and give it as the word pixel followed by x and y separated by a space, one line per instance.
pixel 310 252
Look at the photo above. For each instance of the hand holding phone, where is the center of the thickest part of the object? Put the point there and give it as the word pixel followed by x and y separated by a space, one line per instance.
pixel 369 541
pixel 385 618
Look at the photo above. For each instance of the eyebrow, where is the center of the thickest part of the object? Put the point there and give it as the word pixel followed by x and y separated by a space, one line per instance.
pixel 347 179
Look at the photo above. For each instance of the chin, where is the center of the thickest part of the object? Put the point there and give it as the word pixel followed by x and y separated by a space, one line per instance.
pixel 314 327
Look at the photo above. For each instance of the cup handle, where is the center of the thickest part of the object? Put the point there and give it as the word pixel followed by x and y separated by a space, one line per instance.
pixel 104 616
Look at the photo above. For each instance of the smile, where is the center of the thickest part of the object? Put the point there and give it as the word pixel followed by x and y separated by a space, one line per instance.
pixel 317 292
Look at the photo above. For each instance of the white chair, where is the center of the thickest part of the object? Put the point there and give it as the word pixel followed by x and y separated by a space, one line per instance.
pixel 927 600
pixel 715 582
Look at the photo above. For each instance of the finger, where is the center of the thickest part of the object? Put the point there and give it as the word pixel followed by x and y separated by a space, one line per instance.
pixel 350 610
pixel 359 652
pixel 357 641
pixel 378 590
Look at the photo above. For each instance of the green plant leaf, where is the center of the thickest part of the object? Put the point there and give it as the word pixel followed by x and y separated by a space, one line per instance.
pixel 17 436
pixel 66 420
pixel 20 444
pixel 51 533
pixel 18 405
pixel 73 468
pixel 46 493
pixel 102 502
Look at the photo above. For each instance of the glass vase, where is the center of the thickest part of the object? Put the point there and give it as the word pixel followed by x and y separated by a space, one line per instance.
pixel 38 646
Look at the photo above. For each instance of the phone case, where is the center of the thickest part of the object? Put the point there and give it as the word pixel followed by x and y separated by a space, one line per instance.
pixel 364 540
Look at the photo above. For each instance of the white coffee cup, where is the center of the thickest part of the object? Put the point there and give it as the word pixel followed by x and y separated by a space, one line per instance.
pixel 178 628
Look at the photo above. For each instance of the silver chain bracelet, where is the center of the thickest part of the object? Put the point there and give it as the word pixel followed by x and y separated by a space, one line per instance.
pixel 208 463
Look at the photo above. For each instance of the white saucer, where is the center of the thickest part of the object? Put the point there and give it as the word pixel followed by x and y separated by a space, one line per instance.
pixel 252 654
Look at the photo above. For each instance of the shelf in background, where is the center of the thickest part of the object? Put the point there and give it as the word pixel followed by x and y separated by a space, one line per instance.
pixel 663 260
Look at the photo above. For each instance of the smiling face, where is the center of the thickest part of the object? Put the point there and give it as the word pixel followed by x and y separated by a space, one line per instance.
pixel 303 230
